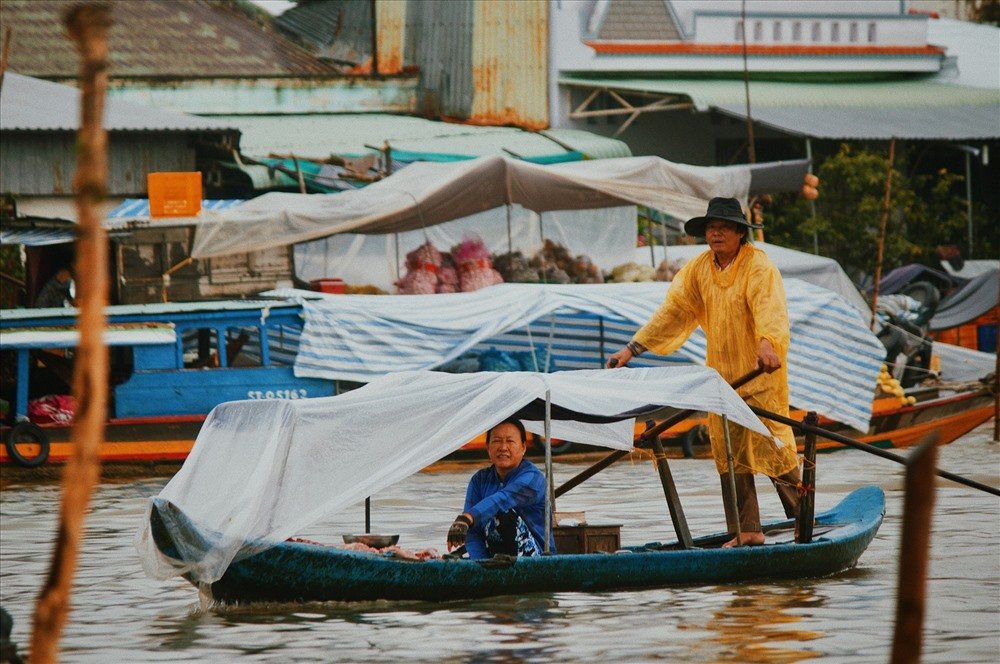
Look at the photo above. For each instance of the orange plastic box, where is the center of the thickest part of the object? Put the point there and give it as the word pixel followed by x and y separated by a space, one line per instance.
pixel 329 285
pixel 174 194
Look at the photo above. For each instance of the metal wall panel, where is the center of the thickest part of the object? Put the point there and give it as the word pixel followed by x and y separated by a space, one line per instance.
pixel 439 42
pixel 390 18
pixel 484 61
pixel 43 163
pixel 510 63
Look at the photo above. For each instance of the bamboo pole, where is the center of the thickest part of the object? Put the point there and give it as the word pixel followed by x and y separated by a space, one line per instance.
pixel 871 449
pixel 6 54
pixel 914 551
pixel 807 501
pixel 883 222
pixel 88 26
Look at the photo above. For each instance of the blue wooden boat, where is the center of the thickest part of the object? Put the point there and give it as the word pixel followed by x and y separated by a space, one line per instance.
pixel 171 363
pixel 294 571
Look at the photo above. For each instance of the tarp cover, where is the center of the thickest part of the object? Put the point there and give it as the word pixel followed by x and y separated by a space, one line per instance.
pixel 969 302
pixel 261 471
pixel 818 270
pixel 833 361
pixel 425 194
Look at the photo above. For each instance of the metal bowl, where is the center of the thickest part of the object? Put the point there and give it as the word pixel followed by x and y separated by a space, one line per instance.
pixel 374 541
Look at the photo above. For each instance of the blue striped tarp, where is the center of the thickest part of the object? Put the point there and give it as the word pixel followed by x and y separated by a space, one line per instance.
pixel 833 360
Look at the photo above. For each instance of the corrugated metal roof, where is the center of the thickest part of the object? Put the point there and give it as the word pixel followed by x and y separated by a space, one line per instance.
pixel 162 38
pixel 915 109
pixel 28 103
pixel 854 94
pixel 132 208
pixel 952 123
pixel 337 30
pixel 510 64
pixel 319 135
pixel 638 19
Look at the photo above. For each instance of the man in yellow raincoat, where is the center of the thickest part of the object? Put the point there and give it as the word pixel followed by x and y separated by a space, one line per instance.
pixel 735 293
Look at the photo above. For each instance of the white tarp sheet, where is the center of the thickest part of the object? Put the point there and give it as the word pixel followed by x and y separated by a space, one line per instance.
pixel 261 471
pixel 424 194
pixel 818 270
pixel 606 236
pixel 833 361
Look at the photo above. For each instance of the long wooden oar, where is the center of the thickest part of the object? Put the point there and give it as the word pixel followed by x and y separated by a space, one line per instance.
pixel 865 447
pixel 646 437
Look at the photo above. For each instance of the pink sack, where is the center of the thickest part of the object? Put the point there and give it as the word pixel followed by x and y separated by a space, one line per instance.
pixel 52 408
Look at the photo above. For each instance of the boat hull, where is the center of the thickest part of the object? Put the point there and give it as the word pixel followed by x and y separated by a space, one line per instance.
pixel 294 572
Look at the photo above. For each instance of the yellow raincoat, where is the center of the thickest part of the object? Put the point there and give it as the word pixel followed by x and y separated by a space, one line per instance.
pixel 736 307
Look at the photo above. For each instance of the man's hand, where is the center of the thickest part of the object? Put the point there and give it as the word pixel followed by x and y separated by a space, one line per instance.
pixel 620 359
pixel 458 531
pixel 767 357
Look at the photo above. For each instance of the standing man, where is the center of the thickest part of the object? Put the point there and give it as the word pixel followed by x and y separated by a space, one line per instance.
pixel 505 503
pixel 735 293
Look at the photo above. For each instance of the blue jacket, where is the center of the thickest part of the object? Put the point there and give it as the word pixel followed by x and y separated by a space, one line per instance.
pixel 488 495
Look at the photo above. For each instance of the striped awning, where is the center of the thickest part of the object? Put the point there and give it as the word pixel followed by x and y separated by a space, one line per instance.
pixel 37 237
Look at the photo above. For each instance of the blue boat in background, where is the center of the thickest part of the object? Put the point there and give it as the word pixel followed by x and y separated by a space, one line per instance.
pixel 171 364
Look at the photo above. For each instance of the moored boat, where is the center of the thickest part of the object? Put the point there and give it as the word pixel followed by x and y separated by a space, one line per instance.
pixel 297 572
pixel 224 521
pixel 170 365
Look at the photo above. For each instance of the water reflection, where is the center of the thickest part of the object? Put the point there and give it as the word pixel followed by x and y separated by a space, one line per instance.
pixel 120 615
pixel 759 623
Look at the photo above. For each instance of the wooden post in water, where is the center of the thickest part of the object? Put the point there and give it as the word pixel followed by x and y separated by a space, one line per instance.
pixel 883 222
pixel 914 551
pixel 807 502
pixel 88 26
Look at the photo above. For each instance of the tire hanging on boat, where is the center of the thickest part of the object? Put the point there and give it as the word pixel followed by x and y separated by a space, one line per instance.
pixel 26 432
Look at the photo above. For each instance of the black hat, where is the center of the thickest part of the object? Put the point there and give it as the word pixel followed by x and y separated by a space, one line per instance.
pixel 723 209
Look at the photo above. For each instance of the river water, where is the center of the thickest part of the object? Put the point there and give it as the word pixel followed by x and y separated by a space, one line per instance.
pixel 121 615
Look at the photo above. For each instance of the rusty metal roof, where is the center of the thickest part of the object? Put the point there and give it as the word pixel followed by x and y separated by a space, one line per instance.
pixel 28 103
pixel 161 39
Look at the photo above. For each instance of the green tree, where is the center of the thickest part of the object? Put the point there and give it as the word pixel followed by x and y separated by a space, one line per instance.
pixel 924 212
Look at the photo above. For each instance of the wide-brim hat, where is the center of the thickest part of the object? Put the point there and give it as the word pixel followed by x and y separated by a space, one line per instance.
pixel 723 209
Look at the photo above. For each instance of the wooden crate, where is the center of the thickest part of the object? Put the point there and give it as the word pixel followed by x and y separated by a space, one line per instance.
pixel 587 538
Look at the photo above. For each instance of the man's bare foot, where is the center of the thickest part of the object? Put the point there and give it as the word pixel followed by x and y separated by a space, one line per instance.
pixel 746 539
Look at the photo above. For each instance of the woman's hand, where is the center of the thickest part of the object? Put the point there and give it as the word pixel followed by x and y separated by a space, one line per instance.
pixel 459 529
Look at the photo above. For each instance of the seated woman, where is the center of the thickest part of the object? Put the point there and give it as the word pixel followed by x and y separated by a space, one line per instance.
pixel 505 503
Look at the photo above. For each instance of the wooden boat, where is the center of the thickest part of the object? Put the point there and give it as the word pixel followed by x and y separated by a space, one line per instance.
pixel 224 521
pixel 295 572
pixel 168 370
pixel 951 415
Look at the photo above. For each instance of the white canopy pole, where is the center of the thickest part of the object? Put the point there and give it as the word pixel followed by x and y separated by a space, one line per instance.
pixel 549 484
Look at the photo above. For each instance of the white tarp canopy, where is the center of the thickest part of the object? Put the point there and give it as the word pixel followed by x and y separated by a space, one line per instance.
pixel 261 471
pixel 425 194
pixel 833 360
pixel 819 270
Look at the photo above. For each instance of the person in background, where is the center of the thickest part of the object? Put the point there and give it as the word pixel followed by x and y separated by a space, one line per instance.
pixel 58 291
pixel 735 293
pixel 505 503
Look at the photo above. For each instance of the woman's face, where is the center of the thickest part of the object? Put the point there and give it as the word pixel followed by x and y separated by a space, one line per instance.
pixel 505 448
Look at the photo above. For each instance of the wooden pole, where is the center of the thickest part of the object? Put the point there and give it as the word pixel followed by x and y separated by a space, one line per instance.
pixel 914 551
pixel 733 498
pixel 88 26
pixel 670 493
pixel 996 377
pixel 883 222
pixel 6 54
pixel 871 449
pixel 807 503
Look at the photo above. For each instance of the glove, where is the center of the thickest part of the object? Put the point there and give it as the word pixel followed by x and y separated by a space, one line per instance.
pixel 458 530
